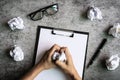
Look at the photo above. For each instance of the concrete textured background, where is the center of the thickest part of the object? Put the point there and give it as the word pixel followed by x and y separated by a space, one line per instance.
pixel 71 15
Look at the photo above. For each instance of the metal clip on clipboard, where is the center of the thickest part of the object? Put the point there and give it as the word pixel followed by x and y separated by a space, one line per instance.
pixel 63 33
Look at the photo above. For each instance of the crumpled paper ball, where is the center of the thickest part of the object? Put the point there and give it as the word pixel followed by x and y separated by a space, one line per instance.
pixel 58 56
pixel 112 62
pixel 17 54
pixel 94 13
pixel 115 30
pixel 16 23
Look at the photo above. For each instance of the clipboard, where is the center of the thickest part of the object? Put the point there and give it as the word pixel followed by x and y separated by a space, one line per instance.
pixel 76 42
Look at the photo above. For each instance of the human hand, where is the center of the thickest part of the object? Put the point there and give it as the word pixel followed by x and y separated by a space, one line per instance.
pixel 46 60
pixel 68 66
pixel 44 63
pixel 47 63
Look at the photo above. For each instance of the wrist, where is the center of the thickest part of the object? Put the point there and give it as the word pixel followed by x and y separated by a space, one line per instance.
pixel 40 67
pixel 74 75
pixel 33 73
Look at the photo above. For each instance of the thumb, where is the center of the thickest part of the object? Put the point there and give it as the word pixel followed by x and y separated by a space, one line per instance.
pixel 61 64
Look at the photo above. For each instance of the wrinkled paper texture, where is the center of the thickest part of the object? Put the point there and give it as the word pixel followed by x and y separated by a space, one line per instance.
pixel 17 54
pixel 112 62
pixel 16 23
pixel 94 13
pixel 115 30
pixel 58 56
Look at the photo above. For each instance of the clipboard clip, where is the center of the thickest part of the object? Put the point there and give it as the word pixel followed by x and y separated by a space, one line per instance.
pixel 62 33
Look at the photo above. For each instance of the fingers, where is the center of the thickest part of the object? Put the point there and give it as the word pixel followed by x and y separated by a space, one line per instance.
pixel 61 64
pixel 67 53
pixel 54 48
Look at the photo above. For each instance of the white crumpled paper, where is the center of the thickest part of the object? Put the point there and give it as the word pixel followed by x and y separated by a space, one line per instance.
pixel 94 13
pixel 16 23
pixel 113 62
pixel 115 30
pixel 58 56
pixel 17 54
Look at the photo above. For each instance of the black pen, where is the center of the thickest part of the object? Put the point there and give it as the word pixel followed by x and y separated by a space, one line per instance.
pixel 97 52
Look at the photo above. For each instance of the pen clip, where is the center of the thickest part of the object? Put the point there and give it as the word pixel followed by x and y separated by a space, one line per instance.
pixel 63 33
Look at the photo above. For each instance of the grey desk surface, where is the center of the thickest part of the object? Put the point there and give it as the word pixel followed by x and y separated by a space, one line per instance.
pixel 71 15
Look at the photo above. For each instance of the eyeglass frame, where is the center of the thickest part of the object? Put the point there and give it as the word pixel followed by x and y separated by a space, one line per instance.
pixel 42 10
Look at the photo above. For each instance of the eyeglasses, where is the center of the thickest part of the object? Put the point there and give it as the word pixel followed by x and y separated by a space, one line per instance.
pixel 49 10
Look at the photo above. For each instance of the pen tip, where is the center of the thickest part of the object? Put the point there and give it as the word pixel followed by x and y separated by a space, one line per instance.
pixel 88 65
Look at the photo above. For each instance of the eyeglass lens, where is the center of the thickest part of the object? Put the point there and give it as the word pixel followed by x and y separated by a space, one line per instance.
pixel 39 14
pixel 52 10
